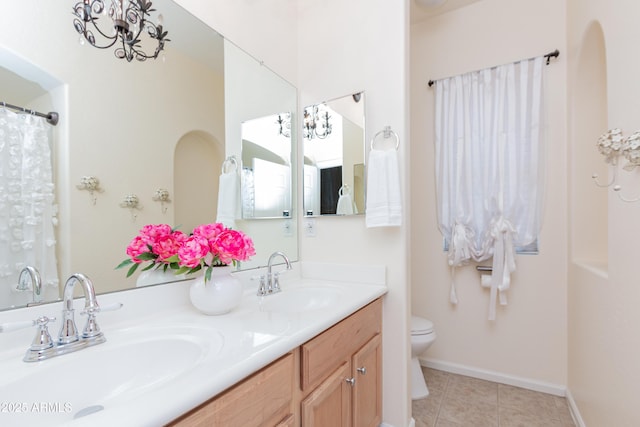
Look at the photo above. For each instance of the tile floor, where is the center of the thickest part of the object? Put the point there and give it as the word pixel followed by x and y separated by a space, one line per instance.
pixel 457 400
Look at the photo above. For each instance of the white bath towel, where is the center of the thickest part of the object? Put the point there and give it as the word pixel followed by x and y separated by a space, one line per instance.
pixel 384 206
pixel 228 199
pixel 345 204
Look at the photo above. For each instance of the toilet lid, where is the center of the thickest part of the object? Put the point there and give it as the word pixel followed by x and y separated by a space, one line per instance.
pixel 420 325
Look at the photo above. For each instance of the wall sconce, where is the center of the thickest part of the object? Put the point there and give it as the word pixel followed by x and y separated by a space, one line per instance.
pixel 162 195
pixel 92 185
pixel 131 202
pixel 613 145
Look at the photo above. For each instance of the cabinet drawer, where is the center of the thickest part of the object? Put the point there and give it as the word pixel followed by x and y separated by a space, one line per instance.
pixel 322 354
pixel 263 399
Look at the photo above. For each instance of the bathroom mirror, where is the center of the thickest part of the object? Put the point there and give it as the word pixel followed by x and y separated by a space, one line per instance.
pixel 139 128
pixel 334 153
pixel 266 167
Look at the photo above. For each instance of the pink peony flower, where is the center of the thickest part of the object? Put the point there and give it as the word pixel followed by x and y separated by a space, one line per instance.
pixel 209 231
pixel 232 245
pixel 137 247
pixel 192 251
pixel 151 233
pixel 167 245
pixel 208 245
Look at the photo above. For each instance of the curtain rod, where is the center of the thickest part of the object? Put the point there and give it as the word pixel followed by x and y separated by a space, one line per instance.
pixel 52 117
pixel 549 55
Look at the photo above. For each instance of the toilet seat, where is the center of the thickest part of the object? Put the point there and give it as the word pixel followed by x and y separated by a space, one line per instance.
pixel 421 326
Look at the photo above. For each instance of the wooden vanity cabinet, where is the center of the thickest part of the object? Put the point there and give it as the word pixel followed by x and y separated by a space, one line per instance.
pixel 341 373
pixel 263 399
pixel 333 380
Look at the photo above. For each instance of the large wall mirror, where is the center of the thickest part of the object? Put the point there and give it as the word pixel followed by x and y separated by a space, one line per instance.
pixel 160 127
pixel 334 153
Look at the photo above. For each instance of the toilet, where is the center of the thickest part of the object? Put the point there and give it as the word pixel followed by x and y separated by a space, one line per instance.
pixel 422 335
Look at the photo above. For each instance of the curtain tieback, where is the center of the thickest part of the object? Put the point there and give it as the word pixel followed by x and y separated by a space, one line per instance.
pixel 502 233
pixel 460 252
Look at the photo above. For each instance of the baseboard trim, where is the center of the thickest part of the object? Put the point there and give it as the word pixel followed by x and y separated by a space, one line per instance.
pixel 575 413
pixel 412 423
pixel 555 389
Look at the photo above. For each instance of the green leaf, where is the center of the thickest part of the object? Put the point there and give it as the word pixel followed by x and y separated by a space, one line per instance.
pixel 147 256
pixel 149 267
pixel 132 270
pixel 207 274
pixel 173 259
pixel 124 263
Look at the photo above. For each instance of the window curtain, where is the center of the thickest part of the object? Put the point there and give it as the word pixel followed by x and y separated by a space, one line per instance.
pixel 27 211
pixel 489 168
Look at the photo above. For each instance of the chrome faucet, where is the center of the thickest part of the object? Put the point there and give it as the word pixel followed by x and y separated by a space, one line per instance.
pixel 33 276
pixel 68 332
pixel 43 346
pixel 271 283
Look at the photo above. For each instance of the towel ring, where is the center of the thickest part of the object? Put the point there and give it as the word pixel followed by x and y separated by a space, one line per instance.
pixel 387 133
pixel 344 190
pixel 231 160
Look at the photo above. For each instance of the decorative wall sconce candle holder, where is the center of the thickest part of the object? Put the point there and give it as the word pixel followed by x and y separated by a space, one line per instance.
pixel 131 202
pixel 613 145
pixel 92 185
pixel 162 195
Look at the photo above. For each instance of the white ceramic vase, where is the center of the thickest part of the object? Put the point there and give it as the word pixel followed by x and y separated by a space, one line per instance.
pixel 217 296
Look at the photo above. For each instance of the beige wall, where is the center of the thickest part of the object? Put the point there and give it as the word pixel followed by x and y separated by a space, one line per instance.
pixel 527 343
pixel 365 50
pixel 604 349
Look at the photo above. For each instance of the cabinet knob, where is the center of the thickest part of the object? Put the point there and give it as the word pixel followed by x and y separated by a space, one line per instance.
pixel 351 381
pixel 362 370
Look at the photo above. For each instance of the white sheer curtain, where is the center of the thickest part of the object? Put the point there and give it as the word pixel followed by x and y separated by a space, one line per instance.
pixel 27 212
pixel 488 167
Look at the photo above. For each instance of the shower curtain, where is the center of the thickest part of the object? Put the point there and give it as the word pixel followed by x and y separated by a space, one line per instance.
pixel 488 167
pixel 27 211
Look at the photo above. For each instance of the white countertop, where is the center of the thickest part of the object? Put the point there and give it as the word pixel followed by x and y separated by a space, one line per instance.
pixel 251 337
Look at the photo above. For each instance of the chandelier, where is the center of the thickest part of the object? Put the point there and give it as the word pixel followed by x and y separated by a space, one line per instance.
pixel 121 23
pixel 316 122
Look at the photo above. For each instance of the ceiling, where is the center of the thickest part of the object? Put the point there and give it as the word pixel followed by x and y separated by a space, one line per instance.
pixel 420 13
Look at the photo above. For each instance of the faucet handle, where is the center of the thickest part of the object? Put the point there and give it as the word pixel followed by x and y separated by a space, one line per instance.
pixel 14 326
pixel 42 340
pixel 95 310
pixel 42 344
pixel 275 281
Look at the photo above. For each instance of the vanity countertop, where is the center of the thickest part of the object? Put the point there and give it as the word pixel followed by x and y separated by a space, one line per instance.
pixel 235 345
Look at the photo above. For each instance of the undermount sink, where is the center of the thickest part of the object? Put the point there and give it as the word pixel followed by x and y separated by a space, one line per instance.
pixel 300 299
pixel 131 362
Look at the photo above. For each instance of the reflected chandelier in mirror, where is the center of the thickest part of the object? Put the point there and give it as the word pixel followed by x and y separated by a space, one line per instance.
pixel 334 153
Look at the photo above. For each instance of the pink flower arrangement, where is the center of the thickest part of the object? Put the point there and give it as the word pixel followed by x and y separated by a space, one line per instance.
pixel 208 246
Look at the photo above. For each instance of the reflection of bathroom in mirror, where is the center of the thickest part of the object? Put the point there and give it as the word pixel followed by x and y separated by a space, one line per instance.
pixel 137 127
pixel 266 167
pixel 334 151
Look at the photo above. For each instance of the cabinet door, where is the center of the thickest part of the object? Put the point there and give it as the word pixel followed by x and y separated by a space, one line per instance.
pixel 330 403
pixel 287 422
pixel 367 392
